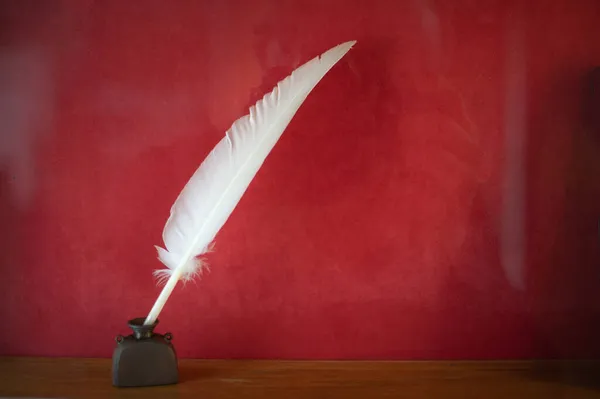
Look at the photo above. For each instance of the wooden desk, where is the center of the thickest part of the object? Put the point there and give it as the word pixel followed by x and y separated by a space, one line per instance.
pixel 82 378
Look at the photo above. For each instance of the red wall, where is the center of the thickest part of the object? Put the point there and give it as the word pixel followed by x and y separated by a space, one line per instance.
pixel 437 196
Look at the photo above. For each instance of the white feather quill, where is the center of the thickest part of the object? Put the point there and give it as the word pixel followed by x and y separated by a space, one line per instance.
pixel 217 186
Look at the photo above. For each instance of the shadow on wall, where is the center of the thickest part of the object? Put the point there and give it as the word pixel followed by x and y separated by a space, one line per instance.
pixel 558 313
pixel 566 301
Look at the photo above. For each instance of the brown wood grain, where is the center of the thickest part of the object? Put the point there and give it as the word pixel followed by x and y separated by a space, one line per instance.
pixel 83 378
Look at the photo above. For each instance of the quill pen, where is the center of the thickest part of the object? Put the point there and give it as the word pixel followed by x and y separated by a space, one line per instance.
pixel 218 184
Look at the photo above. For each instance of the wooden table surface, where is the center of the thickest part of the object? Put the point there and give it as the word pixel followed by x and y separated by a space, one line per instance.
pixel 82 378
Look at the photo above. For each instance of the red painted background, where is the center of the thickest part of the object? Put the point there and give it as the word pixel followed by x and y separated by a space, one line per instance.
pixel 437 196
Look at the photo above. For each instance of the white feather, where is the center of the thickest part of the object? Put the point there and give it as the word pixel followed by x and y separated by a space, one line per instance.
pixel 218 184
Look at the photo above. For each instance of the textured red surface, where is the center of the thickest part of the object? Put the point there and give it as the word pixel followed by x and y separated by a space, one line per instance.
pixel 385 224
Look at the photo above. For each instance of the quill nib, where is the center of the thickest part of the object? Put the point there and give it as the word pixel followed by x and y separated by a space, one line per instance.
pixel 216 187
